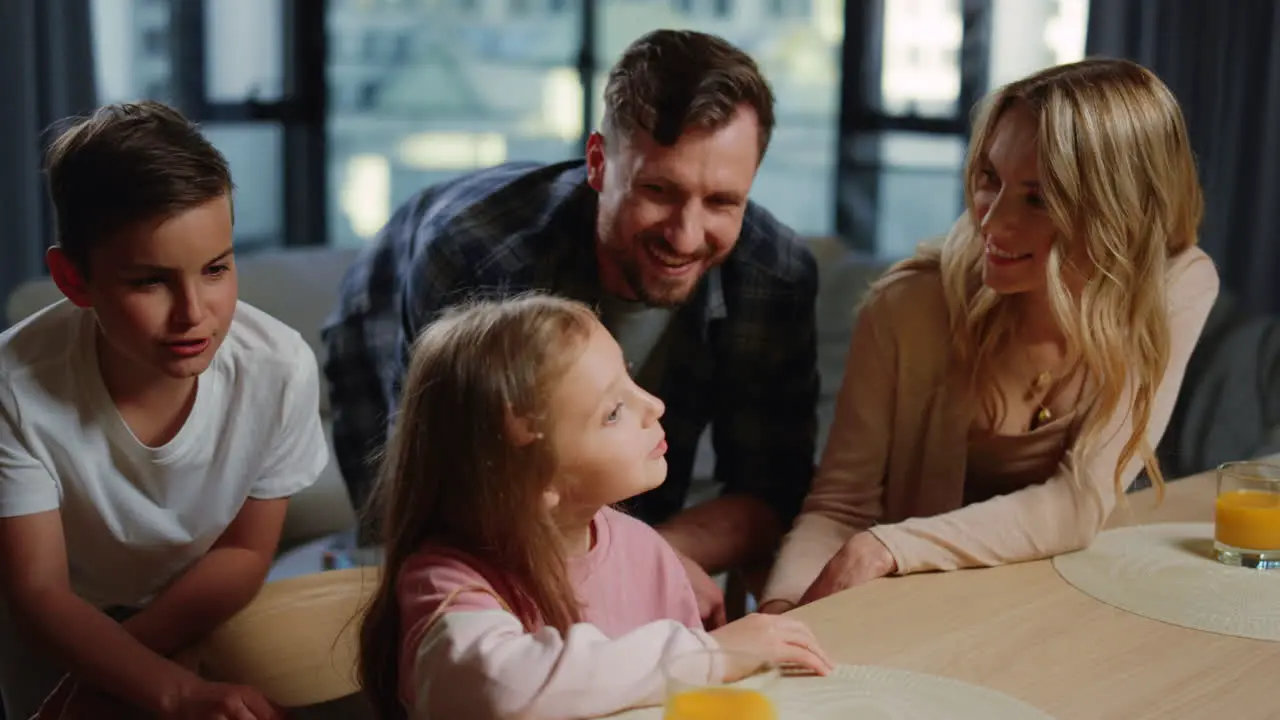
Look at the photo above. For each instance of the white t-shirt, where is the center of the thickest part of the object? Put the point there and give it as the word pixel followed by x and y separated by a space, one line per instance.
pixel 136 517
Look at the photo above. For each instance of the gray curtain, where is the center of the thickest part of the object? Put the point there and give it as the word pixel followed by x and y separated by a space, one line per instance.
pixel 1220 58
pixel 46 51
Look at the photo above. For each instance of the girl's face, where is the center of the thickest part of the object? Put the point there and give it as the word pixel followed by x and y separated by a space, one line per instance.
pixel 608 443
pixel 1016 229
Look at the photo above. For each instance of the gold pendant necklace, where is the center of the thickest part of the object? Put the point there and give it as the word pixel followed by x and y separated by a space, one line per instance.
pixel 1043 413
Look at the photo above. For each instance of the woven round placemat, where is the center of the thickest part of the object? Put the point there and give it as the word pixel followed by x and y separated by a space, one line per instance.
pixel 1168 572
pixel 868 692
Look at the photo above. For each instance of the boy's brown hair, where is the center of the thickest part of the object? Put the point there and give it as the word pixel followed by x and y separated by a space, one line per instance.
pixel 124 164
pixel 670 80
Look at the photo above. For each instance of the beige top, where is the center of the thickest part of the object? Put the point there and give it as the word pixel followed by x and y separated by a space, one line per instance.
pixel 896 459
pixel 1001 464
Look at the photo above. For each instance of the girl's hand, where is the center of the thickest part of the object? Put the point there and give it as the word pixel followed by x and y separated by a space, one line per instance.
pixel 774 638
pixel 862 559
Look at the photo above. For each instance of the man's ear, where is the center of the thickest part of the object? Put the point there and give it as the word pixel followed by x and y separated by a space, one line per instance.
pixel 595 161
pixel 67 277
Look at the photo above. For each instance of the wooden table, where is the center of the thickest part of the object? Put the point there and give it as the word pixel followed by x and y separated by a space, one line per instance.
pixel 1022 630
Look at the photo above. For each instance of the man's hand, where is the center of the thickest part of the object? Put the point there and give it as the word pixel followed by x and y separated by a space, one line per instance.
pixel 775 607
pixel 724 533
pixel 710 596
pixel 862 559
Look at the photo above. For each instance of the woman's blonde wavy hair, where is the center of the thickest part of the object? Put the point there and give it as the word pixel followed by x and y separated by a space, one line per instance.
pixel 1119 179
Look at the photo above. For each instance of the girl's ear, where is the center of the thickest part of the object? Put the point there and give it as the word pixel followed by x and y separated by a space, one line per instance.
pixel 551 497
pixel 519 428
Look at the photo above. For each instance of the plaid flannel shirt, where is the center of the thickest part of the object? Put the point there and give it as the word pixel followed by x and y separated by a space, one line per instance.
pixel 746 363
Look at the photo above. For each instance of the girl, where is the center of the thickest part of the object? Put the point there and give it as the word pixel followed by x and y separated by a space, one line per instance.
pixel 1002 390
pixel 510 587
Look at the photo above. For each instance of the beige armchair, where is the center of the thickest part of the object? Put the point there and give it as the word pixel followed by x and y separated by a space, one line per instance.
pixel 297 642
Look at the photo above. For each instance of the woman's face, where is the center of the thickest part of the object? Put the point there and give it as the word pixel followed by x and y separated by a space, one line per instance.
pixel 1016 229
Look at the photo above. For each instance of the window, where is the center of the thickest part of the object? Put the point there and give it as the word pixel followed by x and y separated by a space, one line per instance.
pixel 870 137
pixel 479 89
pixel 155 41
pixel 211 60
pixel 906 147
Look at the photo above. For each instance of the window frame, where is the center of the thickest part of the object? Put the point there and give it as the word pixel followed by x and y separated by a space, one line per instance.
pixel 302 109
pixel 861 121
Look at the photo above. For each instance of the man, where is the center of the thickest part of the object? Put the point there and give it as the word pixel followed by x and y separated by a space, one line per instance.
pixel 711 298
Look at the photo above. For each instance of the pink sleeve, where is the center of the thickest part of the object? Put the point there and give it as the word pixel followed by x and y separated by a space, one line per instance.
pixel 433 583
pixel 430 585
pixel 483 664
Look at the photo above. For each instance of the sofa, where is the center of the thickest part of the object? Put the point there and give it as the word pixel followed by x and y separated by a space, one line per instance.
pixel 299 286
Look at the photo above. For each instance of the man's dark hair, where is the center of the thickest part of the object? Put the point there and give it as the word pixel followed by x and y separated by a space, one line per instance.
pixel 124 164
pixel 670 80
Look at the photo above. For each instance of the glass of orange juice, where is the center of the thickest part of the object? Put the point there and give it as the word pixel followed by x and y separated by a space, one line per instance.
pixel 1246 522
pixel 720 685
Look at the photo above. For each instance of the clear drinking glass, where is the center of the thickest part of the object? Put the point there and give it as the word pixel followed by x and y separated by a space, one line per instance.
pixel 1246 522
pixel 720 685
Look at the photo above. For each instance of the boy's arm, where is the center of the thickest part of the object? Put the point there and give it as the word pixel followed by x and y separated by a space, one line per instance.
pixel 92 646
pixel 218 585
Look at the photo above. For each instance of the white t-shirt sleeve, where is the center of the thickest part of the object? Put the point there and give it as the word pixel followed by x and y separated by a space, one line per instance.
pixel 482 664
pixel 26 487
pixel 299 452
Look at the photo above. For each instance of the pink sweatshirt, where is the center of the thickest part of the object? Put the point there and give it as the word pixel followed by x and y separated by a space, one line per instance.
pixel 465 654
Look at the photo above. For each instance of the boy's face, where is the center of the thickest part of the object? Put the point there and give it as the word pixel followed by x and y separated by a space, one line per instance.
pixel 165 291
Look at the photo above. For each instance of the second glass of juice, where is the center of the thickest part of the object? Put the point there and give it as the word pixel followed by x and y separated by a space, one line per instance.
pixel 1246 522
pixel 719 685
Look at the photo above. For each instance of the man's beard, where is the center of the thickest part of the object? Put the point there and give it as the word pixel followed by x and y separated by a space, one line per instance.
pixel 658 292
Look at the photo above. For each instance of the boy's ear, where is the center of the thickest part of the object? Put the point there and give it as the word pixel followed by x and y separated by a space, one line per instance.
pixel 67 277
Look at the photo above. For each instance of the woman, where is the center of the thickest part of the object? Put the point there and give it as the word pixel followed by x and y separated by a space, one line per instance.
pixel 1003 389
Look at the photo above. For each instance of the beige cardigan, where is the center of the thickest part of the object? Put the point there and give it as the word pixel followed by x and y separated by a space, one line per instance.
pixel 895 459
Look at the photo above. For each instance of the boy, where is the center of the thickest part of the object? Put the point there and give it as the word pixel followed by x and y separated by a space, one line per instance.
pixel 152 429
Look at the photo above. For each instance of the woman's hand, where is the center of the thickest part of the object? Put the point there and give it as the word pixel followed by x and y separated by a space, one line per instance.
pixel 862 559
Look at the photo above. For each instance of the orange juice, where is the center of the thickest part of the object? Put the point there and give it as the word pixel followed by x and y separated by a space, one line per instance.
pixel 720 703
pixel 1248 519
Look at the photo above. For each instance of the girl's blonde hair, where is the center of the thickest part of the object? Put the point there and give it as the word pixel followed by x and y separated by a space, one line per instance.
pixel 454 475
pixel 1119 180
